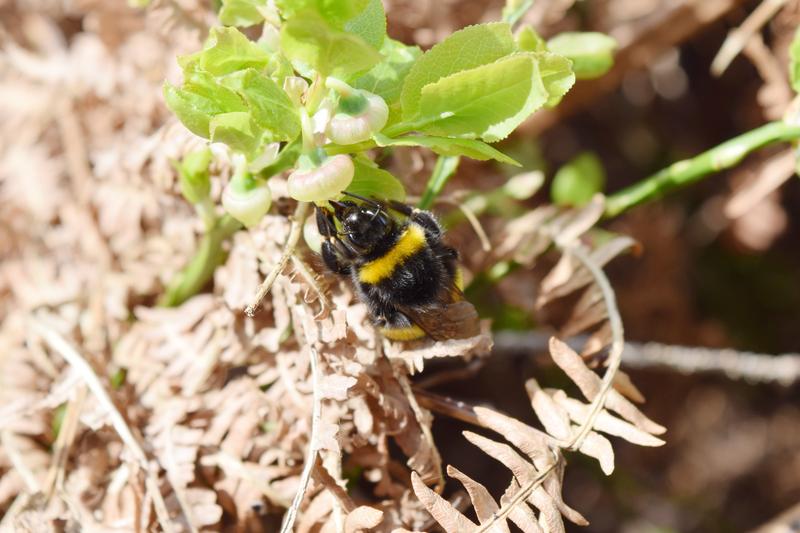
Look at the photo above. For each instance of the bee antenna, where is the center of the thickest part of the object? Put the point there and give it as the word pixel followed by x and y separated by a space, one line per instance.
pixel 367 201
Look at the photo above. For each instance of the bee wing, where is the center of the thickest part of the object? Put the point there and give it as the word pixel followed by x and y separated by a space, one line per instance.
pixel 448 320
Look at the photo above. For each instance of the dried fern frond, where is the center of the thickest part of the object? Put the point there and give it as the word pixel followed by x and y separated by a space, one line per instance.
pixel 533 498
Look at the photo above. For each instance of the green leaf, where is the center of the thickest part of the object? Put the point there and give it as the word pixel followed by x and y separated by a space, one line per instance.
pixel 576 182
pixel 471 148
pixel 242 13
pixel 310 43
pixel 227 50
pixel 236 130
pixel 794 61
pixel 465 49
pixel 370 24
pixel 336 12
pixel 386 78
pixel 530 41
pixel 515 9
pixel 199 99
pixel 370 180
pixel 270 106
pixel 592 53
pixel 486 102
pixel 557 76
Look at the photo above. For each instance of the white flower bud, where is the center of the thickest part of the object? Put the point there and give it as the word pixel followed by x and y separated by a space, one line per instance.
pixel 246 199
pixel 311 235
pixel 324 182
pixel 346 129
pixel 295 87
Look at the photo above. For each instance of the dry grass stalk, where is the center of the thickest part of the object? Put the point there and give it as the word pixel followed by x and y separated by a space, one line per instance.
pixel 60 345
pixel 313 443
pixel 296 230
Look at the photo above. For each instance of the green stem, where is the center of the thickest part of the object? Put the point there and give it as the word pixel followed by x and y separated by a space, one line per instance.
pixel 446 166
pixel 725 155
pixel 210 254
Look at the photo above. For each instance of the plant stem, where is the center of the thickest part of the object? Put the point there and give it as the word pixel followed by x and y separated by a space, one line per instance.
pixel 288 250
pixel 200 269
pixel 446 166
pixel 725 155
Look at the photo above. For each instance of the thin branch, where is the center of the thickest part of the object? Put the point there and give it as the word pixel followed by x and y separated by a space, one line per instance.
pixel 756 367
pixel 738 38
pixel 289 246
pixel 61 346
pixel 682 173
pixel 753 367
pixel 313 445
pixel 471 217
pixel 310 277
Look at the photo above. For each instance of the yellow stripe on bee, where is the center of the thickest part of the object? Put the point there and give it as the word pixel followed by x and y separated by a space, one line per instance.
pixel 403 334
pixel 410 242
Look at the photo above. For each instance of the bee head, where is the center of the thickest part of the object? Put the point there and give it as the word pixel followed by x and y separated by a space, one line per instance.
pixel 363 225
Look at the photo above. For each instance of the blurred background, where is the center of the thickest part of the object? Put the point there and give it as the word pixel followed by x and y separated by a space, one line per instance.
pixel 83 128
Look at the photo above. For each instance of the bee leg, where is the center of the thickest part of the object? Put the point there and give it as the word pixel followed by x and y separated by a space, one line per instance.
pixel 336 255
pixel 333 259
pixel 423 218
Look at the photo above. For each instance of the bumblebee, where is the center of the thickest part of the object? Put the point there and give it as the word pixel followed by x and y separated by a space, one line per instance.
pixel 400 268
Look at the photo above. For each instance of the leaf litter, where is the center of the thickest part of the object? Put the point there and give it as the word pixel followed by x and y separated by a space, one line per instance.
pixel 117 415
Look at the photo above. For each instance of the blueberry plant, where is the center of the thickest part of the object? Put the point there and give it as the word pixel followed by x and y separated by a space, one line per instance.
pixel 322 85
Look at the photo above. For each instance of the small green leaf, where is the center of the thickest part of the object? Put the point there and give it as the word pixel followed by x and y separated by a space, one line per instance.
pixel 193 173
pixel 557 76
pixel 227 50
pixel 487 102
pixel 118 378
pixel 336 12
pixel 370 24
pixel 242 13
pixel 236 130
pixel 58 419
pixel 530 41
pixel 386 78
pixel 370 180
pixel 465 49
pixel 312 44
pixel 794 61
pixel 576 182
pixel 270 106
pixel 199 99
pixel 471 148
pixel 592 53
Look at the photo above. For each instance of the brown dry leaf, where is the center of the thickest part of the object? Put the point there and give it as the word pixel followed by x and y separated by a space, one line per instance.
pixel 451 520
pixel 522 515
pixel 605 422
pixel 362 518
pixel 482 501
pixel 599 447
pixel 589 384
pixel 415 354
pixel 531 441
pixel 553 417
